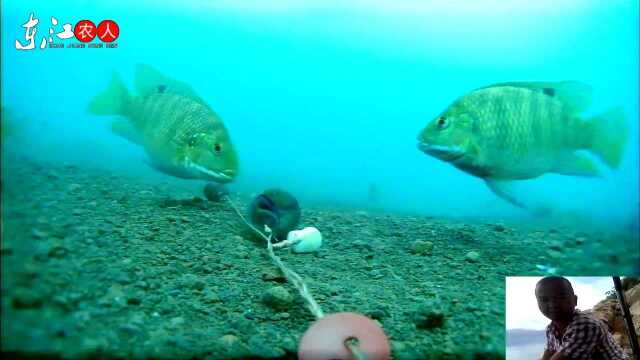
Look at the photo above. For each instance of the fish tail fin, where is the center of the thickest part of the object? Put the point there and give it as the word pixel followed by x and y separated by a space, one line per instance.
pixel 608 132
pixel 113 100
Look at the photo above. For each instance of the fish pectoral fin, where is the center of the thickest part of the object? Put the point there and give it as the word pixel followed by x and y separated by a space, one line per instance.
pixel 504 190
pixel 577 164
pixel 575 95
pixel 126 129
pixel 149 81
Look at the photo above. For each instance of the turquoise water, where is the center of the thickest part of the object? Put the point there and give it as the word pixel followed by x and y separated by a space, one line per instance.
pixel 327 98
pixel 324 99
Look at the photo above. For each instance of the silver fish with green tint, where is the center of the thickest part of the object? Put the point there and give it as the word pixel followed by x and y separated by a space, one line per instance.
pixel 181 134
pixel 521 130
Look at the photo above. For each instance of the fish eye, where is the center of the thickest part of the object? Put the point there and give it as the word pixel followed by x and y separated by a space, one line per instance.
pixel 217 148
pixel 192 141
pixel 442 122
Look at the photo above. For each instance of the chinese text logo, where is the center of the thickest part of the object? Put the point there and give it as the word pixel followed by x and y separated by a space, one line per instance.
pixel 84 31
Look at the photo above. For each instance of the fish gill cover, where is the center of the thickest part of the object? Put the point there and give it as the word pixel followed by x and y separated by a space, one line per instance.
pixel 325 100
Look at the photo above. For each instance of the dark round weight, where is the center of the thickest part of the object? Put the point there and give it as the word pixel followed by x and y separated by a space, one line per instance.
pixel 215 192
pixel 277 209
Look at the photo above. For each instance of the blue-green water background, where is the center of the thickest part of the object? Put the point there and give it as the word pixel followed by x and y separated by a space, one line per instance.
pixel 325 98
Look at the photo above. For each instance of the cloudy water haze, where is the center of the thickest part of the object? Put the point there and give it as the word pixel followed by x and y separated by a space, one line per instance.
pixel 305 118
pixel 327 98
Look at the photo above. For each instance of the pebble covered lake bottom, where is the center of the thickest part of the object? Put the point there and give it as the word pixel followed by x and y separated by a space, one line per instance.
pixel 102 265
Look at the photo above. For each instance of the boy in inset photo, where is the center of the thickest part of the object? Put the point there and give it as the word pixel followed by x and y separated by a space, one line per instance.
pixel 543 320
pixel 572 334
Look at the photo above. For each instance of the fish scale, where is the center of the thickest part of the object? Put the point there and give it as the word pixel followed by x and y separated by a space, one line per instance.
pixel 170 126
pixel 167 117
pixel 512 128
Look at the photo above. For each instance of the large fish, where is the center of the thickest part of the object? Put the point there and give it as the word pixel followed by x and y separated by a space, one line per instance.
pixel 181 134
pixel 521 130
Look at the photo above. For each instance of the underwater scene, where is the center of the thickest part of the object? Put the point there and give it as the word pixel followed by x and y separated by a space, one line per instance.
pixel 307 179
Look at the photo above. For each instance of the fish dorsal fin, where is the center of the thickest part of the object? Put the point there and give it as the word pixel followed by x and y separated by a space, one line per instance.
pixel 150 81
pixel 575 95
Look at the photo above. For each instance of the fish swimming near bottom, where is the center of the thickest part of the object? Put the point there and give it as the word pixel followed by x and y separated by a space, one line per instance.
pixel 181 134
pixel 522 130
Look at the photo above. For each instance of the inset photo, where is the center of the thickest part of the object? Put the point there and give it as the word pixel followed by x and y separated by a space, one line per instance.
pixel 555 318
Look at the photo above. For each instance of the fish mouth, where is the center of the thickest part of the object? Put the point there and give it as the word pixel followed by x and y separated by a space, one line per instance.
pixel 445 152
pixel 224 176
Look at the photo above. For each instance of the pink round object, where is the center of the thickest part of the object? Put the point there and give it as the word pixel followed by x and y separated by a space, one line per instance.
pixel 325 338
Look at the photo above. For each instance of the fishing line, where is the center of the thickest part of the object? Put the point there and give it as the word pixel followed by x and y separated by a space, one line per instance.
pixel 351 343
pixel 291 275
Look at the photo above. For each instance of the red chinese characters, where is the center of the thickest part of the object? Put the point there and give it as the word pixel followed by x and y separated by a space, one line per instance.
pixel 85 30
pixel 108 31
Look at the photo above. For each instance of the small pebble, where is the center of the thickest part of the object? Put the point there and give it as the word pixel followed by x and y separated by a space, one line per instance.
pixel 555 254
pixel 53 175
pixel 129 329
pixel 398 346
pixel 211 297
pixel 472 256
pixel 273 274
pixel 39 234
pixel 176 321
pixel 228 340
pixel 58 252
pixel 191 281
pixel 421 247
pixel 121 277
pixel 556 245
pixel 277 297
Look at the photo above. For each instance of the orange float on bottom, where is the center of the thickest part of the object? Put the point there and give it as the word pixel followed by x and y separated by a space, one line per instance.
pixel 325 338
